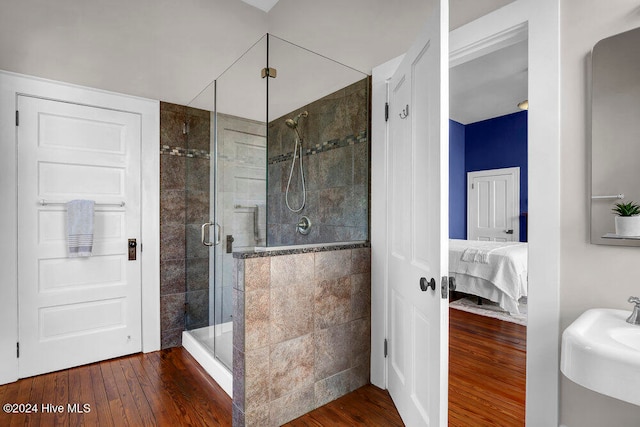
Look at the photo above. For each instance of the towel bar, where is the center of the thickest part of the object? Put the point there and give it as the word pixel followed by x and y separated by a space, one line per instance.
pixel 43 202
pixel 256 232
pixel 614 196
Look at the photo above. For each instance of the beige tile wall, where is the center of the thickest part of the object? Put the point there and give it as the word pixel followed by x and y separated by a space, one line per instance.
pixel 302 333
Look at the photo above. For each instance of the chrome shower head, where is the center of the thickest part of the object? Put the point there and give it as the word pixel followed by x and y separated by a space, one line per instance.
pixel 293 123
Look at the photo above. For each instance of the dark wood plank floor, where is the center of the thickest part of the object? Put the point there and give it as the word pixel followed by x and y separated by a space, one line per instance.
pixel 165 388
pixel 367 406
pixel 487 371
pixel 168 388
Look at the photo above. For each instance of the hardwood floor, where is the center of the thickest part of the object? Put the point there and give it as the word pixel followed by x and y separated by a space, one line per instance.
pixel 487 371
pixel 166 388
pixel 367 406
pixel 169 388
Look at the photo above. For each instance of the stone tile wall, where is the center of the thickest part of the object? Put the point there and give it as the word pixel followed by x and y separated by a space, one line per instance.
pixel 184 206
pixel 336 164
pixel 301 333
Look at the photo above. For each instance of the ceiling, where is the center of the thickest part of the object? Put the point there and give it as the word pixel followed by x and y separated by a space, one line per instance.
pixel 483 88
pixel 489 86
pixel 172 51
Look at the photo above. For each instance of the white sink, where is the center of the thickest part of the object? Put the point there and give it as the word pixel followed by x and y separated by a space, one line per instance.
pixel 601 351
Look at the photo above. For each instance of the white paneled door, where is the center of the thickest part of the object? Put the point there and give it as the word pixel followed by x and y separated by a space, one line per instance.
pixel 493 205
pixel 417 227
pixel 74 311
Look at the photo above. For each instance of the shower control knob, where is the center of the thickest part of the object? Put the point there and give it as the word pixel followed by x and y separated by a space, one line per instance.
pixel 304 226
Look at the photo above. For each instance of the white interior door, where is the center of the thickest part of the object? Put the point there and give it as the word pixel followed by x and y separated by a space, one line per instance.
pixel 418 227
pixel 74 311
pixel 493 205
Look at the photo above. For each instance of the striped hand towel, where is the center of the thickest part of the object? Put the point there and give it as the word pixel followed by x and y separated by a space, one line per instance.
pixel 80 227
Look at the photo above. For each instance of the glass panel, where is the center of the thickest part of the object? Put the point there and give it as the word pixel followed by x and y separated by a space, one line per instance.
pixel 231 168
pixel 198 133
pixel 227 191
pixel 321 108
pixel 200 298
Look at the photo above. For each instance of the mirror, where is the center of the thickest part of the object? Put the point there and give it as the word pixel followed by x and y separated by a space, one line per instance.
pixel 615 133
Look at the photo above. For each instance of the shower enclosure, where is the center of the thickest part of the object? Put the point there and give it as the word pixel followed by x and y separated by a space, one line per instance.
pixel 289 165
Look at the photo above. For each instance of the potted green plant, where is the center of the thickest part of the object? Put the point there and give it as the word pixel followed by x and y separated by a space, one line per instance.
pixel 627 219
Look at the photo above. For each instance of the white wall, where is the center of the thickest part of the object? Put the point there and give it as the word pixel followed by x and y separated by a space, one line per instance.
pixel 591 276
pixel 364 33
pixel 171 50
pixel 160 49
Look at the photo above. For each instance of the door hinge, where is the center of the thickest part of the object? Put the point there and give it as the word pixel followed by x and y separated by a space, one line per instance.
pixel 385 348
pixel 17 118
pixel 386 111
pixel 473 186
pixel 444 287
pixel 269 72
pixel 17 349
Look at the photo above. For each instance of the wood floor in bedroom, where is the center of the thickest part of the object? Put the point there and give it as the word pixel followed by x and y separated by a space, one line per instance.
pixel 487 371
pixel 486 388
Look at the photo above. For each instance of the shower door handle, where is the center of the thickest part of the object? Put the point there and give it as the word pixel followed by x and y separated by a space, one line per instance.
pixel 217 231
pixel 203 233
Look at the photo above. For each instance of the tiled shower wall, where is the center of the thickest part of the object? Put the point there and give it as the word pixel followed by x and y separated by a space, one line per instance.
pixel 301 327
pixel 336 162
pixel 184 207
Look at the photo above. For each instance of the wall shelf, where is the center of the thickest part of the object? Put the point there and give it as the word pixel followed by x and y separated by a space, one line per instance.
pixel 616 236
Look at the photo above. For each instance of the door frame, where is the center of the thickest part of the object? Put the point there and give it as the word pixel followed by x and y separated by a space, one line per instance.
pixel 515 172
pixel 541 18
pixel 12 85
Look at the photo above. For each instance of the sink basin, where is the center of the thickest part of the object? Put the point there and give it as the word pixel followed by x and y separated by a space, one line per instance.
pixel 601 351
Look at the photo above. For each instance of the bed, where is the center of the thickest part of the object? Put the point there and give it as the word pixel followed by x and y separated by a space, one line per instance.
pixel 496 271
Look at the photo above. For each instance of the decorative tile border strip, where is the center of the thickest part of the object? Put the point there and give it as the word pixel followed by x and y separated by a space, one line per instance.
pixel 325 146
pixel 185 152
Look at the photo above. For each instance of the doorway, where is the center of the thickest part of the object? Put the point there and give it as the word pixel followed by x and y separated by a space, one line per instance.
pixel 488 152
pixel 77 308
pixel 16 86
pixel 541 22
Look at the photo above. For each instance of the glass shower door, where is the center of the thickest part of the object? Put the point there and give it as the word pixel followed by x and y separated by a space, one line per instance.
pixel 200 297
pixel 239 179
pixel 235 215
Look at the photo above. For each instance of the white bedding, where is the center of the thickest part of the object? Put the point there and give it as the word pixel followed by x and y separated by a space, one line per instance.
pixel 496 271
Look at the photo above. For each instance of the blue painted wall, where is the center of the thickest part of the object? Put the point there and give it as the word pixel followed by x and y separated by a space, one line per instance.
pixel 496 143
pixel 457 182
